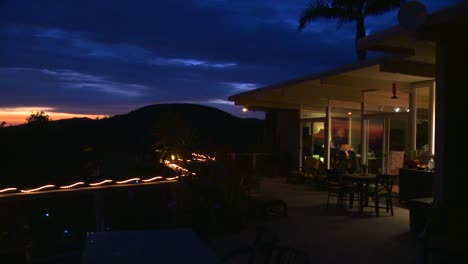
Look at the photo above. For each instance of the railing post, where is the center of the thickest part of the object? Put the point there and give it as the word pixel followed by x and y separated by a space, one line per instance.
pixel 99 210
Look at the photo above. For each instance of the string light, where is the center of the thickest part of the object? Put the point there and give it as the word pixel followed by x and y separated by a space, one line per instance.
pixel 129 180
pixel 8 190
pixel 100 183
pixel 72 185
pixel 38 189
pixel 153 179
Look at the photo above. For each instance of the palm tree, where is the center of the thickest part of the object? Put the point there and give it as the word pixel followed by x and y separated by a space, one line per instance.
pixel 348 11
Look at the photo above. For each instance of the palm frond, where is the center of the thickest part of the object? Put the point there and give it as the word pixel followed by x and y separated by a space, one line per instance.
pixel 320 9
pixel 378 7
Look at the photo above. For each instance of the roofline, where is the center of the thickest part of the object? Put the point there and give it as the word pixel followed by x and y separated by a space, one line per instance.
pixel 323 74
pixel 439 17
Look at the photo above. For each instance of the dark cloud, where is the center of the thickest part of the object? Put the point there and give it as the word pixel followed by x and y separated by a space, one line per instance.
pixel 108 56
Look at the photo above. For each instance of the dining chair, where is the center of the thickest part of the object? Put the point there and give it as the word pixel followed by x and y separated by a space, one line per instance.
pixel 259 252
pixel 382 189
pixel 338 187
pixel 268 254
pixel 290 255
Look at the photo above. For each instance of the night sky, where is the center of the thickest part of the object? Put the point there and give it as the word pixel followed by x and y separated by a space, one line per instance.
pixel 110 57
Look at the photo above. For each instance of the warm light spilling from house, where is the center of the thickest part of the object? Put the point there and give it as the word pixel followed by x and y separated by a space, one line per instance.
pixel 72 185
pixel 38 189
pixel 172 157
pixel 100 183
pixel 129 180
pixel 245 109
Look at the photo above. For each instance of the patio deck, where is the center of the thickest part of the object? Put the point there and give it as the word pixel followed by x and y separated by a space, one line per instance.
pixel 333 236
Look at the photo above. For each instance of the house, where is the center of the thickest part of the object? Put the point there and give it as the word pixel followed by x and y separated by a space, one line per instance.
pixel 409 99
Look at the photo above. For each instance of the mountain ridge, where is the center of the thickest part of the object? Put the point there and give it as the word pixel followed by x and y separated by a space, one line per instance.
pixel 59 150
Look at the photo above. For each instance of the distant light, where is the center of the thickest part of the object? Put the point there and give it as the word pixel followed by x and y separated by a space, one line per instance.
pixel 397 109
pixel 349 113
pixel 407 110
pixel 65 231
pixel 137 181
pixel 47 214
pixel 172 157
pixel 245 109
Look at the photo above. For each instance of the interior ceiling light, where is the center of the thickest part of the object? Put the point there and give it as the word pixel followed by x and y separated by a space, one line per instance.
pixel 394 91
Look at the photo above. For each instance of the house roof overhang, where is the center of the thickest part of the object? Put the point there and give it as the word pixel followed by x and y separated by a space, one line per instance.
pixel 409 62
pixel 344 86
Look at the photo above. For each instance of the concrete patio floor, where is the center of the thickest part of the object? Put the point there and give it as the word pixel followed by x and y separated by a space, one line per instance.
pixel 335 235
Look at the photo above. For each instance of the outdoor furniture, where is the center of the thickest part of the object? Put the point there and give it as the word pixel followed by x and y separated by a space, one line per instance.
pixel 362 181
pixel 415 183
pixel 267 254
pixel 419 213
pixel 338 187
pixel 266 207
pixel 147 246
pixel 290 255
pixel 382 189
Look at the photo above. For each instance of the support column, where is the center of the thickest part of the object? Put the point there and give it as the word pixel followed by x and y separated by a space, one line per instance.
pixel 432 116
pixel 450 111
pixel 99 210
pixel 363 136
pixel 413 119
pixel 328 137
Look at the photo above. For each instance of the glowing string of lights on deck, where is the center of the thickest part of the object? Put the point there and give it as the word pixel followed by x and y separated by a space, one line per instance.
pixel 129 180
pixel 72 185
pixel 38 189
pixel 183 172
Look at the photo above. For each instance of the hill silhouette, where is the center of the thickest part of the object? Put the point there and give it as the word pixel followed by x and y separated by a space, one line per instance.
pixel 72 149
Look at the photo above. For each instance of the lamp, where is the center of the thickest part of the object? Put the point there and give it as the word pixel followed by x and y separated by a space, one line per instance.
pixel 394 91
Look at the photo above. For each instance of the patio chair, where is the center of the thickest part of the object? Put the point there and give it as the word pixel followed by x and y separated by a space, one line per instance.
pixel 382 189
pixel 337 187
pixel 259 252
pixel 289 255
pixel 267 254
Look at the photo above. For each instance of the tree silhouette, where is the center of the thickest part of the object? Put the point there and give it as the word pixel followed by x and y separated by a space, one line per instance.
pixel 38 118
pixel 348 11
pixel 3 124
pixel 176 134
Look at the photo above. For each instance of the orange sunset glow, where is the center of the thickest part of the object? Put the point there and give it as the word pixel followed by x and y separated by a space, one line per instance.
pixel 17 115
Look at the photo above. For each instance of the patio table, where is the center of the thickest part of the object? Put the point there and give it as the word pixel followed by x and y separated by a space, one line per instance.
pixel 147 246
pixel 363 181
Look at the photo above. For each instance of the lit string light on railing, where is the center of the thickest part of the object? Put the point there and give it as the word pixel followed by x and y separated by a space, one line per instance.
pixel 72 185
pixel 203 158
pixel 173 166
pixel 129 180
pixel 38 189
pixel 8 190
pixel 101 183
pixel 153 179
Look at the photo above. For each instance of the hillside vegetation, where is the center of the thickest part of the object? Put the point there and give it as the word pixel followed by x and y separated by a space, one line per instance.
pixel 64 151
